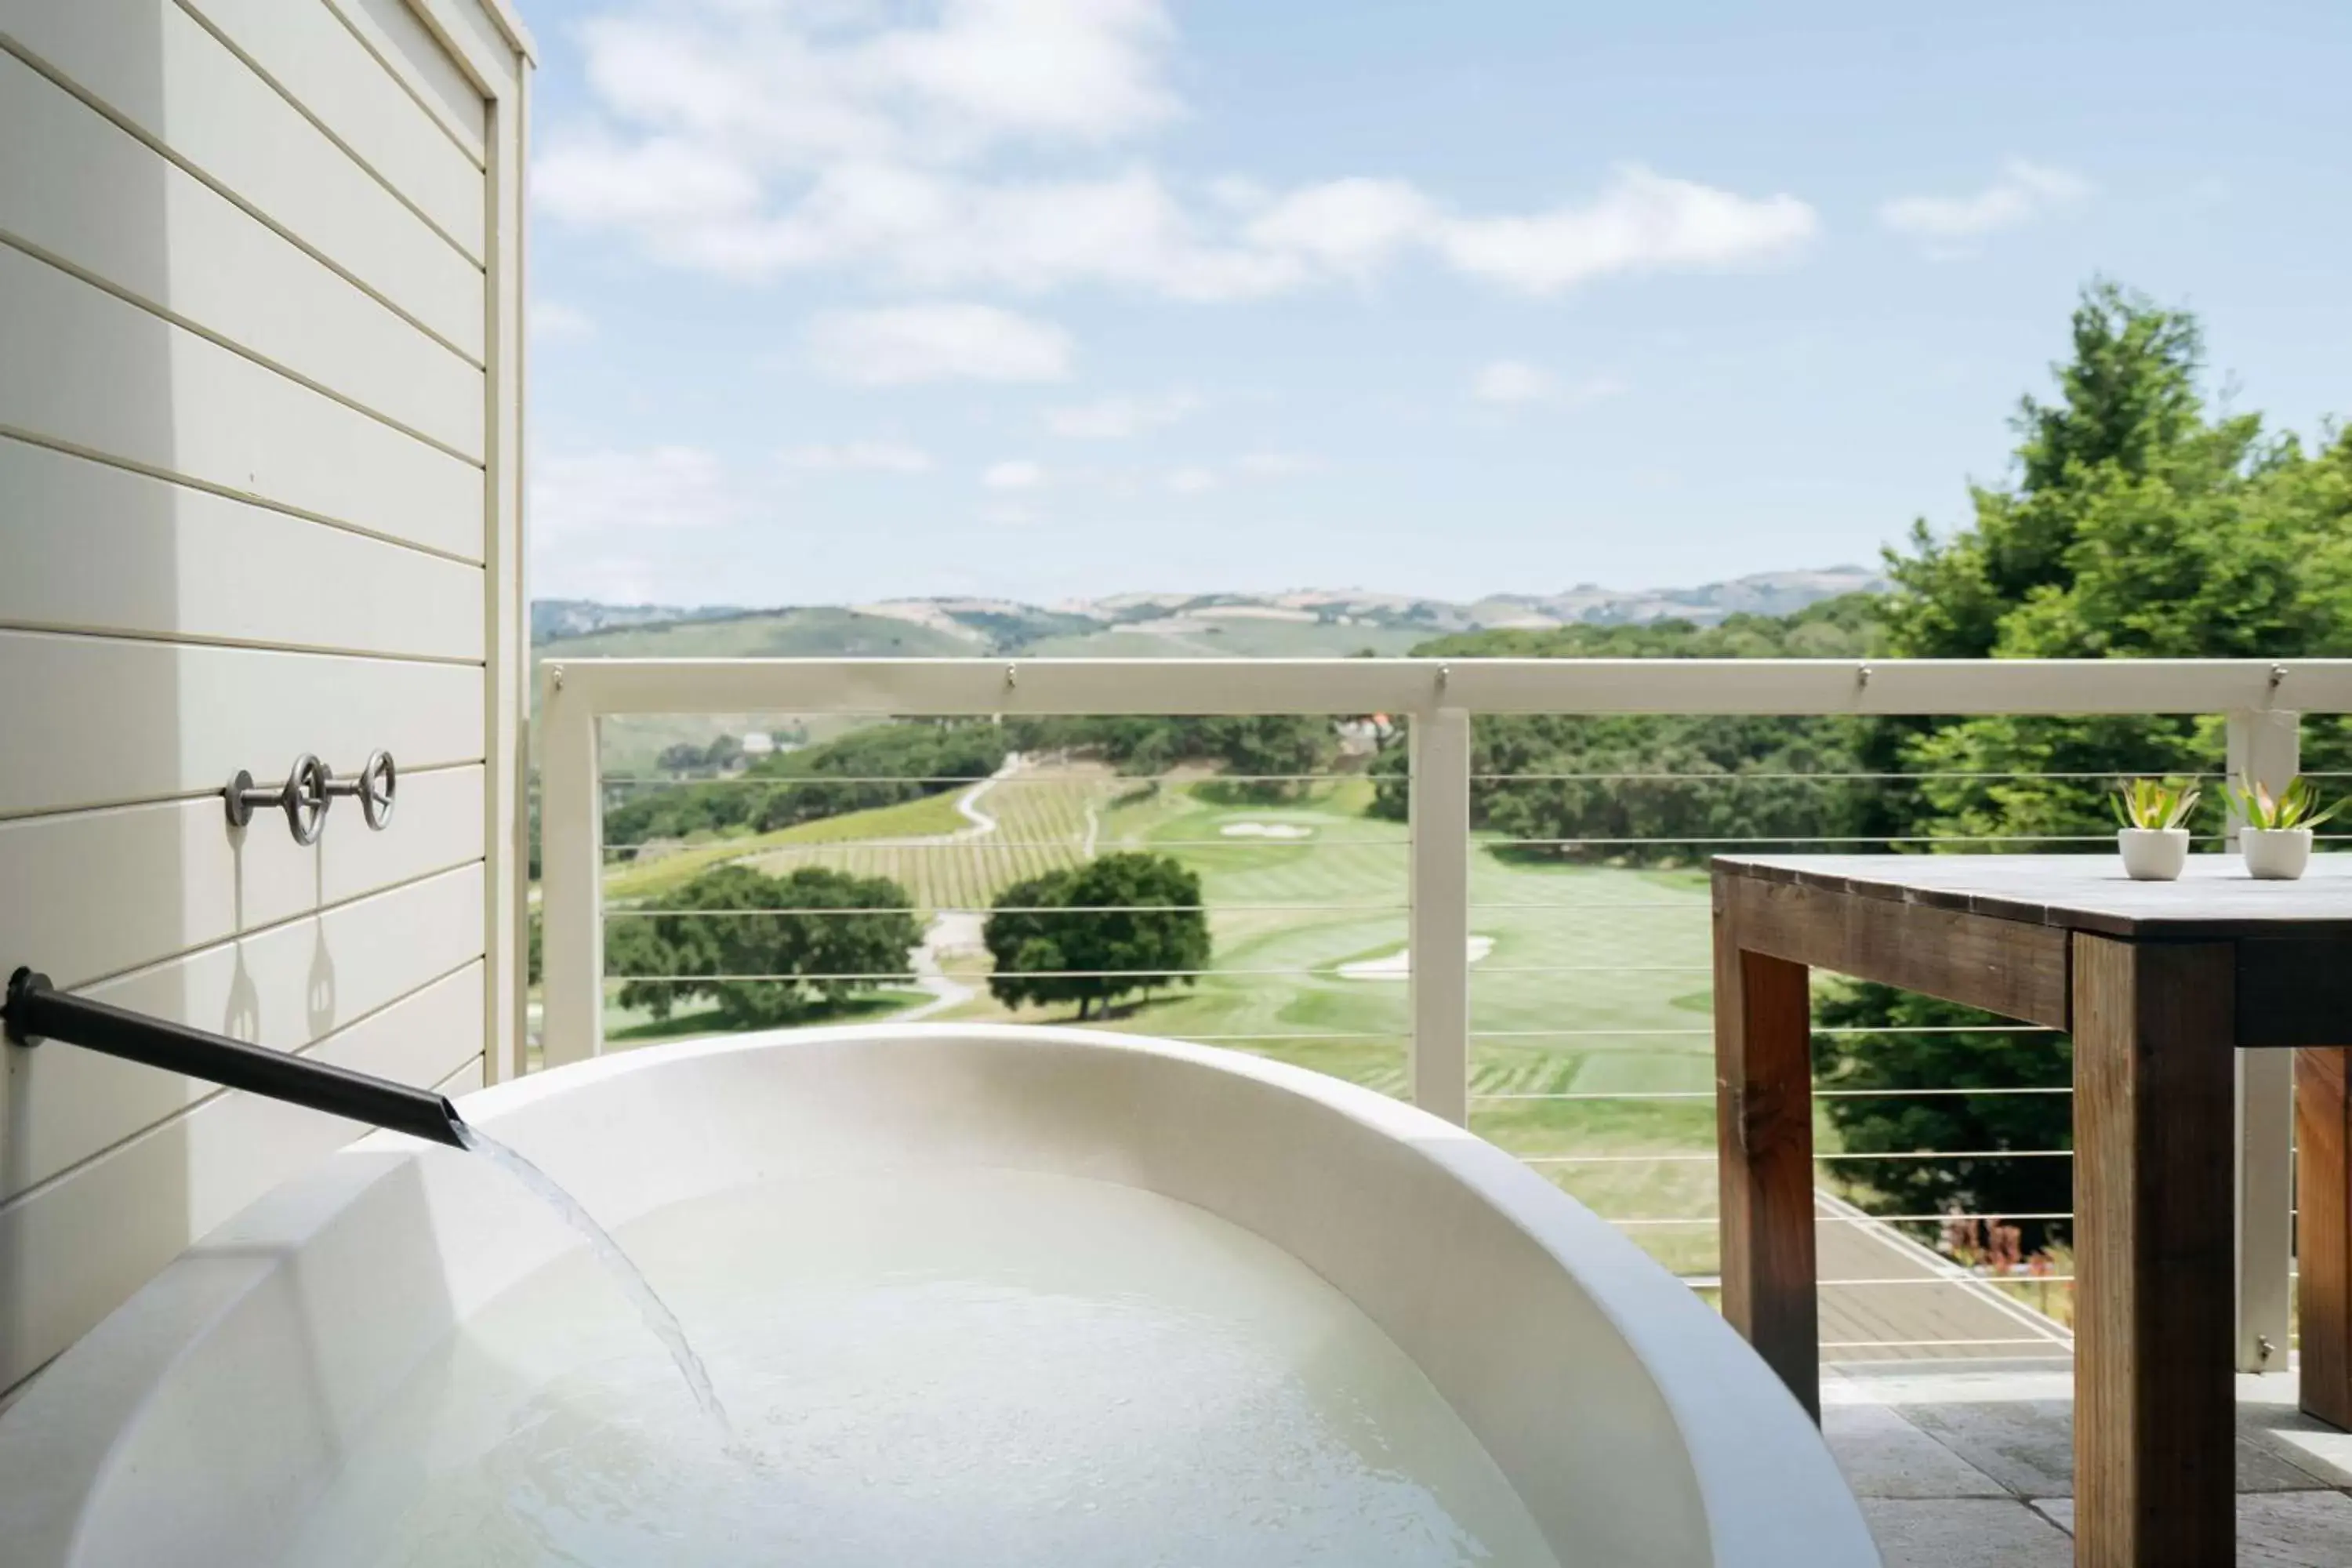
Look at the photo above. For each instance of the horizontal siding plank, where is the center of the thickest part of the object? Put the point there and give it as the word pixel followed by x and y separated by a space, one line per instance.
pixel 182 879
pixel 85 369
pixel 77 1248
pixel 81 189
pixel 104 721
pixel 396 36
pixel 462 1082
pixel 157 69
pixel 285 988
pixel 92 547
pixel 480 43
pixel 303 47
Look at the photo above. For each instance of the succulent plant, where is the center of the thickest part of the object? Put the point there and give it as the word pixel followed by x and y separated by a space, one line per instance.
pixel 2155 803
pixel 2297 805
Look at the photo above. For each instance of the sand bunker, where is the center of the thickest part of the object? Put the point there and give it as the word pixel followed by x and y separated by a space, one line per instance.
pixel 1398 965
pixel 1265 830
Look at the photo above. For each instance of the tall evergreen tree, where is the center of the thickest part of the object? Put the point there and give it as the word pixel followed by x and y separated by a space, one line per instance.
pixel 2137 523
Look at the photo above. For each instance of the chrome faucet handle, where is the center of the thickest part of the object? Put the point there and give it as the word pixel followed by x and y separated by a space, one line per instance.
pixel 304 796
pixel 378 782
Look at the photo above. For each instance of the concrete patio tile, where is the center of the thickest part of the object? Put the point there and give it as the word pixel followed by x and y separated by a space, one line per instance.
pixel 2277 1530
pixel 2294 1530
pixel 1965 1533
pixel 1884 1455
pixel 2268 1415
pixel 2029 1446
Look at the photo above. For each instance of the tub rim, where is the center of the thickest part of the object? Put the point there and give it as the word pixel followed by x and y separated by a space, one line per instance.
pixel 58 1437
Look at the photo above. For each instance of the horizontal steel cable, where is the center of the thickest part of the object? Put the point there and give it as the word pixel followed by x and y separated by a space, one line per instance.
pixel 1839 1156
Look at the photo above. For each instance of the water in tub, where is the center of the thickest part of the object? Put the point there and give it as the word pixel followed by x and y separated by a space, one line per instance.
pixel 965 1367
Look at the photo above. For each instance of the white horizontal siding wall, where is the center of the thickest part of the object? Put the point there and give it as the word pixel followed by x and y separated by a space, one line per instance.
pixel 259 403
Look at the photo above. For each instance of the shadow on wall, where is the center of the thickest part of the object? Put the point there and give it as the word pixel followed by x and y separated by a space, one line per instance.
pixel 114 392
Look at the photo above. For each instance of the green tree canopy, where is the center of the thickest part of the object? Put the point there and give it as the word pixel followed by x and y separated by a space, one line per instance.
pixel 1656 787
pixel 879 766
pixel 831 935
pixel 1120 924
pixel 883 764
pixel 2139 523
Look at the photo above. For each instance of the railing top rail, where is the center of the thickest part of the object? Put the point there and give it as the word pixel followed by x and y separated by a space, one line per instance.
pixel 951 687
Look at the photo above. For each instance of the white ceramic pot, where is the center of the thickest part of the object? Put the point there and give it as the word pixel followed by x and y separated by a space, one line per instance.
pixel 2153 854
pixel 2275 854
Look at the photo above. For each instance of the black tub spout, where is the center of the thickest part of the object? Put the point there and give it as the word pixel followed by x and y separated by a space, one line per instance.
pixel 36 1011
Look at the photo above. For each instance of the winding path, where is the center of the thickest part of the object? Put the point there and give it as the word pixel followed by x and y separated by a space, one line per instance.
pixel 947 931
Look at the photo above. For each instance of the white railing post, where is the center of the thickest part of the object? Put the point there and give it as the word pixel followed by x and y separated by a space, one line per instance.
pixel 1439 937
pixel 572 875
pixel 2267 747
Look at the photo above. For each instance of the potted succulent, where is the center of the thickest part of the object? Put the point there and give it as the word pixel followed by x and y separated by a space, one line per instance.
pixel 2275 831
pixel 2153 838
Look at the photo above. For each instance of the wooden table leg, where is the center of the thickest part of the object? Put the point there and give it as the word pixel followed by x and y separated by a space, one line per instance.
pixel 2155 1433
pixel 1764 1136
pixel 2323 1180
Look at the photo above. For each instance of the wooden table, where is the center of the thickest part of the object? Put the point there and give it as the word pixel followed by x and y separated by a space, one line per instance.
pixel 2157 983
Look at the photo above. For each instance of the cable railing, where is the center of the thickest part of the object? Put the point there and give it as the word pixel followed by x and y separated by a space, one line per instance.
pixel 1542 980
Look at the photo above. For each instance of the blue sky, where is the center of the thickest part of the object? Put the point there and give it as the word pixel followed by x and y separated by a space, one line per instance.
pixel 837 300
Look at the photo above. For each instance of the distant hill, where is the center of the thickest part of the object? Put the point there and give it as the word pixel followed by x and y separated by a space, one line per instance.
pixel 1764 594
pixel 814 632
pixel 552 618
pixel 1308 623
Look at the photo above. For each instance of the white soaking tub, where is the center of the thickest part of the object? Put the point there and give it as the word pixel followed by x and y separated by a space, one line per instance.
pixel 969 1295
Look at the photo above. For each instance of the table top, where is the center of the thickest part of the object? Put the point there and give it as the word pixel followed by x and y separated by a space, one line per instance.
pixel 2214 896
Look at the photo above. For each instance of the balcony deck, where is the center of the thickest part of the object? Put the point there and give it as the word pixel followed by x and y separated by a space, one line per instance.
pixel 1974 1468
pixel 1947 1397
pixel 1927 1310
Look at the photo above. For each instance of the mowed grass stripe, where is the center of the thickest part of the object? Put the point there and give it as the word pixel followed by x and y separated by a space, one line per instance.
pixel 1640 972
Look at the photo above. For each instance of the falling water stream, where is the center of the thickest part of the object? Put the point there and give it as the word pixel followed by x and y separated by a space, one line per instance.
pixel 612 1259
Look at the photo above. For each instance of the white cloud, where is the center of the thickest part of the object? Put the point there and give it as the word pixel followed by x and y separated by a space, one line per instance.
pixel 1515 381
pixel 1642 222
pixel 1348 227
pixel 2023 192
pixel 649 185
pixel 1276 465
pixel 1118 418
pixel 1014 474
pixel 1512 381
pixel 552 321
pixel 751 139
pixel 606 579
pixel 582 493
pixel 1190 481
pixel 861 457
pixel 1240 194
pixel 938 342
pixel 795 88
pixel 1083 69
pixel 926 229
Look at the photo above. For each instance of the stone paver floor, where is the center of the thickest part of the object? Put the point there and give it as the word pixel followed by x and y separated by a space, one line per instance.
pixel 1975 1468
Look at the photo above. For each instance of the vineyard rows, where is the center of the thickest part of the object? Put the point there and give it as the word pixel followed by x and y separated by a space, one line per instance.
pixel 1041 826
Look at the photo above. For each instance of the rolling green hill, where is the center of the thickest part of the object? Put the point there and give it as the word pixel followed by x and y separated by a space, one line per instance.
pixel 632 743
pixel 1309 624
pixel 802 632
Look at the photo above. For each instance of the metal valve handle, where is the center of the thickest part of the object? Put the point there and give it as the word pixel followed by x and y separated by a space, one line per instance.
pixel 378 782
pixel 304 798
